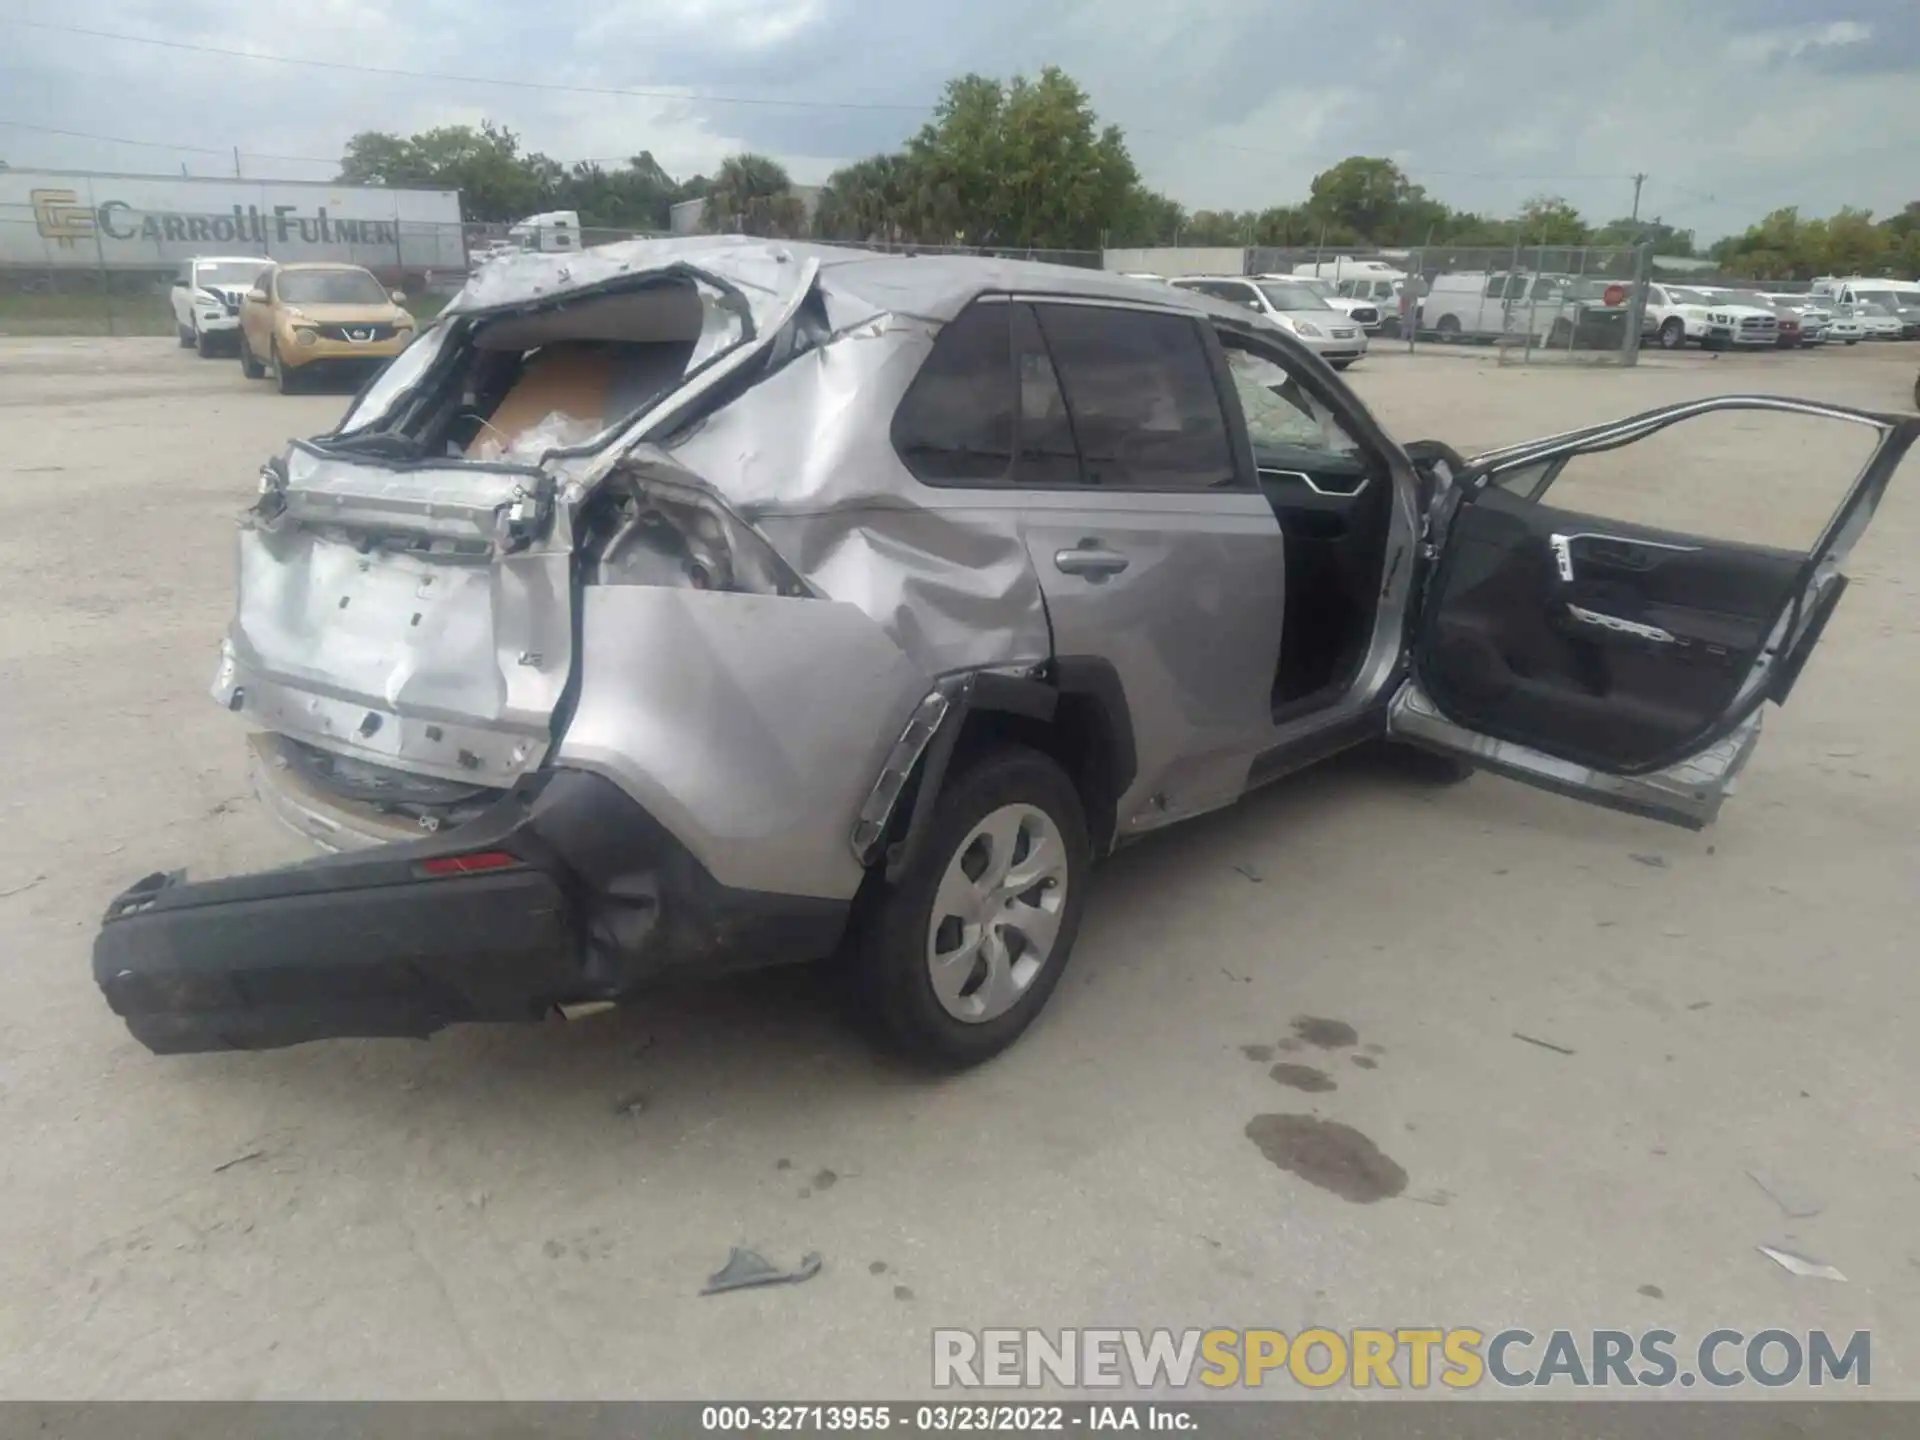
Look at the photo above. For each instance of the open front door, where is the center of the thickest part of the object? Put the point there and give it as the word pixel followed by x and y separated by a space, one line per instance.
pixel 1616 650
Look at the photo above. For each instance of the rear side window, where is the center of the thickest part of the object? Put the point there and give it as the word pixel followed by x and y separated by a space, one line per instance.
pixel 955 423
pixel 1141 397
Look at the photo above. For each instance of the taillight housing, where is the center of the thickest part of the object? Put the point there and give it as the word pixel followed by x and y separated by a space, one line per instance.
pixel 476 863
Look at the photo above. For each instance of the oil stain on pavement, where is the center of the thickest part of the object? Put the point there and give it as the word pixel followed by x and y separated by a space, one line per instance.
pixel 1326 1153
pixel 1325 1034
pixel 1303 1077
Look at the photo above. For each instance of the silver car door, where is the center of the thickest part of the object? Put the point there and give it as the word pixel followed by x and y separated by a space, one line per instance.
pixel 1154 547
pixel 1620 662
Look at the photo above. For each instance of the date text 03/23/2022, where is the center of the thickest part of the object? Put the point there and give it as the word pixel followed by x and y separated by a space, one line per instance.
pixel 940 1419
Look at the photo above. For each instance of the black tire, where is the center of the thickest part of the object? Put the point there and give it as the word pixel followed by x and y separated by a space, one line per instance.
pixel 206 345
pixel 1340 364
pixel 249 367
pixel 1449 328
pixel 1423 766
pixel 184 334
pixel 1673 334
pixel 1916 392
pixel 1560 337
pixel 286 381
pixel 892 987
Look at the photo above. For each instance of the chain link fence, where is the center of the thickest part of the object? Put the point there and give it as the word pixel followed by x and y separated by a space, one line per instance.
pixel 1533 303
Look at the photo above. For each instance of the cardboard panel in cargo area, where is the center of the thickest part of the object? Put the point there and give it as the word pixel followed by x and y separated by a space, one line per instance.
pixel 572 379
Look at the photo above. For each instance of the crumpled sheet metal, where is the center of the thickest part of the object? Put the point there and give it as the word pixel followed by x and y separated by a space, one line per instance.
pixel 763 271
pixel 751 726
pixel 806 457
pixel 856 282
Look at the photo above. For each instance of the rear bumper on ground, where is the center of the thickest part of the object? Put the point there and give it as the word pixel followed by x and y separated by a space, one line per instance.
pixel 580 895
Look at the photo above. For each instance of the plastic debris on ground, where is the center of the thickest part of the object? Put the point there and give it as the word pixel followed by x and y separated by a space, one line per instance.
pixel 747 1268
pixel 1800 1265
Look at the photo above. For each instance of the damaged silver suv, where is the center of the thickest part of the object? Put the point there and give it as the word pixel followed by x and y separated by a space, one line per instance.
pixel 682 606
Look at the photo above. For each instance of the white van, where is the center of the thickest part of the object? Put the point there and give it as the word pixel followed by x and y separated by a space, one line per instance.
pixel 1362 282
pixel 1875 302
pixel 1485 305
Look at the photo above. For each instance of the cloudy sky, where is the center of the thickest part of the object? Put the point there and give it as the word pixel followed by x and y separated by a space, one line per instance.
pixel 1731 107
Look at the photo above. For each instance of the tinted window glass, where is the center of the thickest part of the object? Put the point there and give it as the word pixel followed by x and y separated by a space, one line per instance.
pixel 955 425
pixel 1496 287
pixel 1141 397
pixel 1048 455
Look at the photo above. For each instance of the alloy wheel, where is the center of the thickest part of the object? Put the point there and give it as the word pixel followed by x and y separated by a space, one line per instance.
pixel 997 913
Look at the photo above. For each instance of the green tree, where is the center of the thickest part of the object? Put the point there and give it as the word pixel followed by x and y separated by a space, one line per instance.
pixel 1371 199
pixel 752 195
pixel 1854 244
pixel 1149 218
pixel 495 180
pixel 1550 220
pixel 867 200
pixel 1020 164
pixel 1218 227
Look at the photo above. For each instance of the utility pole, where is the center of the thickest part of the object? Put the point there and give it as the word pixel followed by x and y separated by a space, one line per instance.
pixel 1638 181
pixel 236 162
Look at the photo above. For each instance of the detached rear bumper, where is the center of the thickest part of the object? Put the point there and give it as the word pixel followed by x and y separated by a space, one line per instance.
pixel 569 892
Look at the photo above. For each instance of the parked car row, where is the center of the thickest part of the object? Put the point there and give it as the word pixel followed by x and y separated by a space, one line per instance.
pixel 1562 311
pixel 289 321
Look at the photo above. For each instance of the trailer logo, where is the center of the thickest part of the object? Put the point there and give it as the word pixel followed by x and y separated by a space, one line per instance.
pixel 59 216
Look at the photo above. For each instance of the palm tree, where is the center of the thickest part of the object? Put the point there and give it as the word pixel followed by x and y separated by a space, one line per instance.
pixel 752 195
pixel 867 200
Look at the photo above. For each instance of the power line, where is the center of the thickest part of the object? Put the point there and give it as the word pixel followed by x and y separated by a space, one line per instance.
pixel 226 150
pixel 222 150
pixel 571 89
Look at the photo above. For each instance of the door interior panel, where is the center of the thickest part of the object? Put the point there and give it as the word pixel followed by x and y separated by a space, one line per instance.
pixel 1612 645
pixel 1333 514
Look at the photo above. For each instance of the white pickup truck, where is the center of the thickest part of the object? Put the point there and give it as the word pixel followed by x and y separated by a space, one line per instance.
pixel 1679 315
pixel 206 298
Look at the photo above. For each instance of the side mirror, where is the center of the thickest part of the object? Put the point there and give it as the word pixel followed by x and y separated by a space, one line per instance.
pixel 399 297
pixel 257 294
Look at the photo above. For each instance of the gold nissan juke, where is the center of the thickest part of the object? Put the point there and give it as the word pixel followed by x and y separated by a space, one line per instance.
pixel 301 320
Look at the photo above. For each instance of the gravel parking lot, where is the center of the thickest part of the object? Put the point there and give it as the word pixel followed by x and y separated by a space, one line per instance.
pixel 529 1212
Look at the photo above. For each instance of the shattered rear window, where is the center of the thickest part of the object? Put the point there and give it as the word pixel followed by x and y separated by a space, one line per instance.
pixel 558 374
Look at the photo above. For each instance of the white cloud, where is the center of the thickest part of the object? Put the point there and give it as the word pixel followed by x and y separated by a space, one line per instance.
pixel 1731 108
pixel 1791 42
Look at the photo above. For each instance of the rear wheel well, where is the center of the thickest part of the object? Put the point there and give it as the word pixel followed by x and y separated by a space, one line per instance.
pixel 1080 739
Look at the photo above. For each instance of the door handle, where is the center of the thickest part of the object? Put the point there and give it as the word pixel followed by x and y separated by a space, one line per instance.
pixel 1621 551
pixel 1091 560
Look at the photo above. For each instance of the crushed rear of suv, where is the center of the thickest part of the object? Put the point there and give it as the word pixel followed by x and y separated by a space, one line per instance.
pixel 680 606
